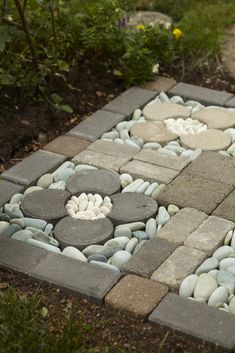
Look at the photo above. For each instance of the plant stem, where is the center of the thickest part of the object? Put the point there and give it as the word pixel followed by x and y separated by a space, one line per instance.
pixel 4 6
pixel 27 33
pixel 53 26
pixel 24 5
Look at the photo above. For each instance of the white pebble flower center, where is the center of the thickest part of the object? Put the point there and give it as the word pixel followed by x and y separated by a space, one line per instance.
pixel 89 206
pixel 185 126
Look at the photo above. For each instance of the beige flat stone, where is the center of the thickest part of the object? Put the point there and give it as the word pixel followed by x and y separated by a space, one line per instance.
pixel 216 118
pixel 153 132
pixel 210 140
pixel 161 111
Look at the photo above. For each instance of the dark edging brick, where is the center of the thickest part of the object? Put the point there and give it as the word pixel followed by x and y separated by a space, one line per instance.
pixel 7 190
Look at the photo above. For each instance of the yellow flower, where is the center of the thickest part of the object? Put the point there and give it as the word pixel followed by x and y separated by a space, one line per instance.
pixel 177 33
pixel 141 27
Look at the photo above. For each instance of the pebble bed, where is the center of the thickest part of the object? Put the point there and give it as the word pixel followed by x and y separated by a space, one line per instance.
pixel 214 280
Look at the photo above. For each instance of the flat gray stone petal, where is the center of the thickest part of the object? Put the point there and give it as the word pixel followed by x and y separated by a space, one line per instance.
pixel 81 233
pixel 46 204
pixel 94 181
pixel 132 207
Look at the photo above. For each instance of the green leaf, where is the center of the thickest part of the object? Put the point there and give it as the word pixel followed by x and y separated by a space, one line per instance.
pixel 56 99
pixel 66 108
pixel 44 311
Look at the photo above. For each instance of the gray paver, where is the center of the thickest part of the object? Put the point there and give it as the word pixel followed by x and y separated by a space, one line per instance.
pixel 230 103
pixel 149 172
pixel 67 145
pixel 197 320
pixel 158 158
pixel 181 225
pixel 32 167
pixel 186 191
pixel 100 160
pixel 213 166
pixel 204 95
pixel 130 100
pixel 82 279
pixel 7 190
pixel 80 233
pixel 181 263
pixel 227 208
pixel 132 207
pixel 135 295
pixel 96 125
pixel 114 149
pixel 151 255
pixel 19 256
pixel 209 235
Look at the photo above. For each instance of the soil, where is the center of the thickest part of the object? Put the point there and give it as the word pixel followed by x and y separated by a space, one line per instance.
pixel 27 123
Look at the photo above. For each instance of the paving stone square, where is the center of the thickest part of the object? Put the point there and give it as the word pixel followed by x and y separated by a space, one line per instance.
pixel 149 172
pixel 227 208
pixel 114 149
pixel 195 319
pixel 199 193
pixel 182 225
pixel 230 103
pixel 66 145
pixel 213 166
pixel 209 235
pixel 7 190
pixel 181 263
pixel 135 295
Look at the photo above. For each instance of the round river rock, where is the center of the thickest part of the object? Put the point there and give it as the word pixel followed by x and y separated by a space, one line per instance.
pixel 81 233
pixel 98 181
pixel 153 132
pixel 132 207
pixel 48 205
pixel 161 111
pixel 216 118
pixel 209 140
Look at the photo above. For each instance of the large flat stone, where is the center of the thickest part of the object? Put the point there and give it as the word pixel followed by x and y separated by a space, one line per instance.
pixel 209 235
pixel 213 166
pixel 227 208
pixel 80 233
pixel 160 111
pixel 216 118
pixel 66 145
pixel 204 95
pixel 96 125
pixel 150 256
pixel 7 190
pixel 186 191
pixel 153 132
pixel 130 100
pixel 181 225
pixel 19 256
pixel 196 320
pixel 181 263
pixel 113 149
pixel 209 140
pixel 135 295
pixel 158 158
pixel 82 279
pixel 160 84
pixel 100 160
pixel 132 207
pixel 149 172
pixel 32 167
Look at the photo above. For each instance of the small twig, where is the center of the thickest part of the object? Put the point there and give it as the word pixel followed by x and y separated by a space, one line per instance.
pixel 4 7
pixel 24 5
pixel 53 25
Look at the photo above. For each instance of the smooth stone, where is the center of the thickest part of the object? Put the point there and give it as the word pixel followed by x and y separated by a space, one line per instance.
pixel 205 286
pixel 92 250
pixel 177 100
pixel 186 154
pixel 233 241
pixel 143 187
pixel 97 257
pixel 163 216
pixel 224 153
pixel 121 241
pixel 216 118
pixel 34 223
pixel 153 132
pixel 209 140
pixel 13 211
pixel 139 246
pixel 82 167
pixel 12 229
pixel 120 141
pixel 4 217
pixel 162 111
pixel 231 269
pixel 223 252
pixel 18 221
pixel 151 188
pixel 132 226
pixel 125 179
pixel 138 141
pixel 130 246
pixel 226 279
pixel 48 229
pixel 67 164
pixel 74 253
pixel 172 210
pixel 156 192
pixel 64 174
pixel 166 152
pixel 140 235
pixel 228 238
pixel 110 135
pixel 227 262
pixel 232 305
pixel 45 246
pixel 32 189
pixel 132 187
pixel 137 114
pixel 188 285
pixel 123 232
pixel 209 264
pixel 3 226
pixel 214 274
pixel 152 145
pixel 120 258
pixel 151 228
pixel 17 198
pixel 231 133
pixel 105 265
pixel 45 181
pixel 163 97
pixel 41 236
pixel 110 249
pixel 60 185
pixel 176 149
pixel 23 235
pixel 124 134
pixel 220 295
